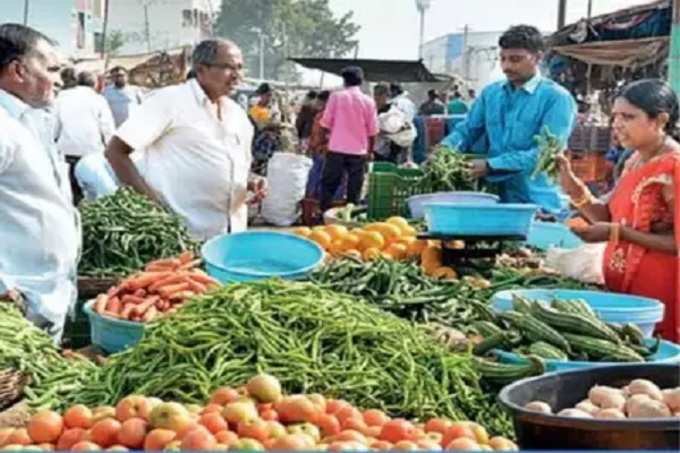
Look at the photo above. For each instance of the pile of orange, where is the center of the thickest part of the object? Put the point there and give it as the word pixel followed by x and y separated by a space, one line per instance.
pixel 393 239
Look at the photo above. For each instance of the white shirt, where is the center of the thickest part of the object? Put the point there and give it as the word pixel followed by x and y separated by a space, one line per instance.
pixel 86 121
pixel 196 163
pixel 40 227
pixel 406 105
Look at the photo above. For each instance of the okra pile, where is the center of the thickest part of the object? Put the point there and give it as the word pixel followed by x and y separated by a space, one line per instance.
pixel 562 330
pixel 124 231
pixel 446 170
pixel 549 146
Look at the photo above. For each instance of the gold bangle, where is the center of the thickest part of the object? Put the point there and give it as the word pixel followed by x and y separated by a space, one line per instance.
pixel 615 233
pixel 587 198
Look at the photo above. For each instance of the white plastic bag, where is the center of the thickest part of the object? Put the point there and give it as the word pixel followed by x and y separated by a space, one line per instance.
pixel 583 263
pixel 287 181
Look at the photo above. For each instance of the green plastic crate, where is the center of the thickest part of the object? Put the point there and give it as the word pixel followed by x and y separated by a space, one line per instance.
pixel 389 187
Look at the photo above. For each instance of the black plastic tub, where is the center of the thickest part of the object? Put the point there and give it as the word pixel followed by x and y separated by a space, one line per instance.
pixel 566 389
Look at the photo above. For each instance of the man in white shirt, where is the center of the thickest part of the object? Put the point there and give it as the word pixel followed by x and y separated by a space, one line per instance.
pixel 401 100
pixel 122 98
pixel 40 227
pixel 86 123
pixel 196 145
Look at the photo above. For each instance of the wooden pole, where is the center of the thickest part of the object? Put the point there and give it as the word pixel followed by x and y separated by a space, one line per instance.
pixel 674 54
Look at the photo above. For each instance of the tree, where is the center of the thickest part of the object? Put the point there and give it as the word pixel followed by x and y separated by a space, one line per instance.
pixel 291 28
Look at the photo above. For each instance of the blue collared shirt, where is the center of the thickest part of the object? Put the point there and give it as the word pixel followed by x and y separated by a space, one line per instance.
pixel 511 118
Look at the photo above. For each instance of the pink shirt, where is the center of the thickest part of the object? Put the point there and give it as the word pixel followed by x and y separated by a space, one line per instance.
pixel 352 118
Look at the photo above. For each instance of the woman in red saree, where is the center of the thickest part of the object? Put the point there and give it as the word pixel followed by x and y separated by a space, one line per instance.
pixel 641 218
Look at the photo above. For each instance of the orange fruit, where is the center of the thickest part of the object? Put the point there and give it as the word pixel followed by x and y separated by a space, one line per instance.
pixel 132 433
pixel 158 439
pixel 302 231
pixel 444 273
pixel 408 231
pixel 45 427
pixel 388 231
pixel 387 256
pixel 398 221
pixel 398 251
pixel 431 257
pixel 105 432
pixel 336 247
pixel 371 253
pixel 336 231
pixel 372 239
pixel 322 238
pixel 78 416
pixel 375 417
pixel 415 248
pixel 350 241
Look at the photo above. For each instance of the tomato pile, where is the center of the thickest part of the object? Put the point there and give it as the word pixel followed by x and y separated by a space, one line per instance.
pixel 256 416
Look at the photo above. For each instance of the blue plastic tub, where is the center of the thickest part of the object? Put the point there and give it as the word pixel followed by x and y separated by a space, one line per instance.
pixel 611 307
pixel 416 203
pixel 668 353
pixel 479 219
pixel 544 235
pixel 258 255
pixel 112 335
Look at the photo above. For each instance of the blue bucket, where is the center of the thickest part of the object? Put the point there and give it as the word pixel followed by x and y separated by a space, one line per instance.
pixel 258 255
pixel 110 334
pixel 668 353
pixel 610 307
pixel 416 203
pixel 544 235
pixel 479 219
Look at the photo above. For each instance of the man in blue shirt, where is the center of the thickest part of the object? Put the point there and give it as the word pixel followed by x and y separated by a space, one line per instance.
pixel 511 112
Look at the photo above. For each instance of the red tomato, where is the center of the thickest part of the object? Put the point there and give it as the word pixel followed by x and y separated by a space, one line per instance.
pixel 329 425
pixel 375 417
pixel 397 430
pixel 437 425
pixel 455 431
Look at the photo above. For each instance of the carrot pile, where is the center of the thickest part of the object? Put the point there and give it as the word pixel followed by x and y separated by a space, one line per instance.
pixel 160 289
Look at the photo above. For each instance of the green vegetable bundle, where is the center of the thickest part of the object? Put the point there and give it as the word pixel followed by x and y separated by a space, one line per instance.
pixel 447 170
pixel 549 146
pixel 124 231
pixel 313 339
pixel 51 376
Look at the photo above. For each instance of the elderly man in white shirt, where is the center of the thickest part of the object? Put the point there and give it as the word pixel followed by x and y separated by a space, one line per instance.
pixel 196 145
pixel 40 227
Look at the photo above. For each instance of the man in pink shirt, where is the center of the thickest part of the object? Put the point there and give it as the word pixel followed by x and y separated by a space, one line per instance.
pixel 352 121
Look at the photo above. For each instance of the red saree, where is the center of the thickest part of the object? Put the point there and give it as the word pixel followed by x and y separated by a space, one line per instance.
pixel 638 201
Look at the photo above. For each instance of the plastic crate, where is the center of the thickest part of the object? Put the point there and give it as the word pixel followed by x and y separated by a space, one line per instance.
pixel 389 187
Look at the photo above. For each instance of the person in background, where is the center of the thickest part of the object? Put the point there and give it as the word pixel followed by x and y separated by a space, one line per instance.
pixel 511 113
pixel 352 121
pixel 68 78
pixel 86 124
pixel 261 113
pixel 615 158
pixel 195 143
pixel 385 150
pixel 402 101
pixel 305 118
pixel 318 147
pixel 433 106
pixel 640 219
pixel 40 227
pixel 122 98
pixel 456 105
pixel 472 95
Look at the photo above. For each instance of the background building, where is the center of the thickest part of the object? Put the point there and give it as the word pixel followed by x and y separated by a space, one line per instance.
pixel 75 24
pixel 151 25
pixel 473 56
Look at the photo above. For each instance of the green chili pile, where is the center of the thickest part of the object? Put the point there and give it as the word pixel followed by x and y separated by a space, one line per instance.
pixel 446 170
pixel 52 378
pixel 313 339
pixel 124 231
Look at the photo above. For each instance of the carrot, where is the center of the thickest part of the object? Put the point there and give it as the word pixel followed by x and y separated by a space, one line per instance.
pixel 100 303
pixel 168 290
pixel 171 279
pixel 168 263
pixel 127 310
pixel 144 279
pixel 181 295
pixel 113 291
pixel 131 299
pixel 201 277
pixel 150 314
pixel 141 292
pixel 113 305
pixel 144 306
pixel 111 314
pixel 185 257
pixel 197 287
pixel 190 265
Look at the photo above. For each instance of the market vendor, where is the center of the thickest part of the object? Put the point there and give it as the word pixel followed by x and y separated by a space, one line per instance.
pixel 40 227
pixel 196 146
pixel 510 113
pixel 640 219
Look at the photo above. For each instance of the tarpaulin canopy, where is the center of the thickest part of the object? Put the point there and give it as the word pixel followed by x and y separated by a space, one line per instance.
pixel 404 71
pixel 628 53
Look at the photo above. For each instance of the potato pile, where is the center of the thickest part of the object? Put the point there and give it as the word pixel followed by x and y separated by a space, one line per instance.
pixel 639 399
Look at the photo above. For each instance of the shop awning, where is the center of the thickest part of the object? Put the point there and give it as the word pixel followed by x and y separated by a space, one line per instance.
pixel 404 71
pixel 625 52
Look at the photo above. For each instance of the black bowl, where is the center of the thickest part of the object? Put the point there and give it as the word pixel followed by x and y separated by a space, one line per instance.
pixel 566 389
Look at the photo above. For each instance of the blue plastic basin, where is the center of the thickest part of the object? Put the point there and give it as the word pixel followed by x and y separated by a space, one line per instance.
pixel 416 203
pixel 479 219
pixel 258 255
pixel 112 335
pixel 611 307
pixel 544 235
pixel 668 353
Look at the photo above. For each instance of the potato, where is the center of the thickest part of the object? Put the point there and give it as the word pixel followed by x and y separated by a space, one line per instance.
pixel 577 413
pixel 672 398
pixel 645 387
pixel 610 413
pixel 587 406
pixel 538 406
pixel 599 393
pixel 649 408
pixel 634 401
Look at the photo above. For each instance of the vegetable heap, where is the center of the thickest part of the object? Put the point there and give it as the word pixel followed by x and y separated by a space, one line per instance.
pixel 315 339
pixel 446 170
pixel 123 231
pixel 549 146
pixel 51 376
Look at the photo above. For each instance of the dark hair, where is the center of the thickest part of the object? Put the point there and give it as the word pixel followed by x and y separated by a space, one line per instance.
pixel 433 93
pixel 17 41
pixel 456 94
pixel 654 97
pixel 396 89
pixel 68 78
pixel 352 76
pixel 86 79
pixel 118 69
pixel 522 37
pixel 311 94
pixel 264 88
pixel 324 95
pixel 381 89
pixel 191 74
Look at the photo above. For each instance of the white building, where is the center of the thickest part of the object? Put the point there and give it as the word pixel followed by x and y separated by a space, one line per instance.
pixel 152 25
pixel 473 56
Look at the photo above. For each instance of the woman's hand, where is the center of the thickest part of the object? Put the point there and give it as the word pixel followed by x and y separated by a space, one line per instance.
pixel 597 232
pixel 571 184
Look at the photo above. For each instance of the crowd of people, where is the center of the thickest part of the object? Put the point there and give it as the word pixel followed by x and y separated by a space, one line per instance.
pixel 191 148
